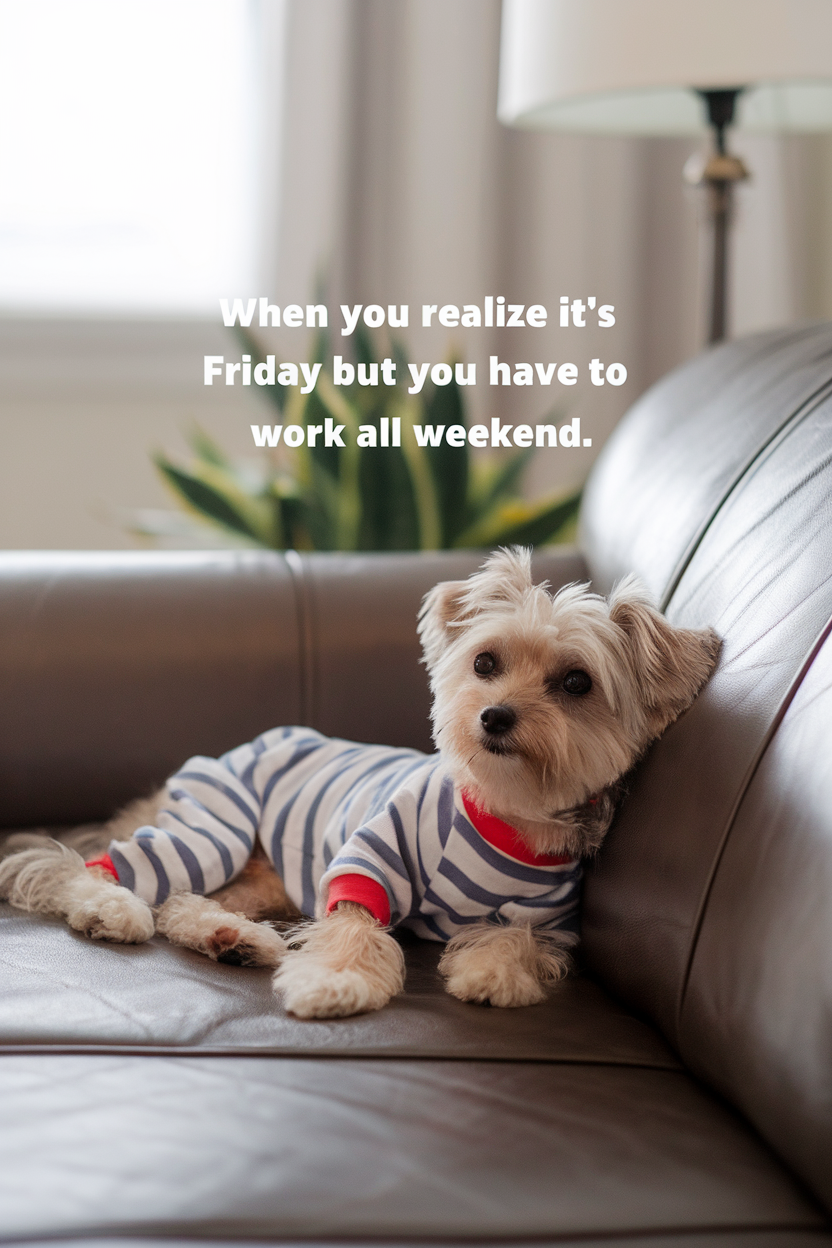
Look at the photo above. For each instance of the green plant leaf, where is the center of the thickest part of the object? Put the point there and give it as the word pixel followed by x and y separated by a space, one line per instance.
pixel 448 464
pixel 400 359
pixel 422 479
pixel 499 479
pixel 322 508
pixel 205 448
pixel 276 394
pixel 224 499
pixel 543 525
pixel 363 345
pixel 349 497
pixel 205 499
pixel 389 520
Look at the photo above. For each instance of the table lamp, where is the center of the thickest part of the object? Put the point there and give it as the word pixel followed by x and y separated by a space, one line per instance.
pixel 671 67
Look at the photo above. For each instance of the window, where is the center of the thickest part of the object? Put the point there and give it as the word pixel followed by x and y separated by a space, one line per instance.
pixel 127 154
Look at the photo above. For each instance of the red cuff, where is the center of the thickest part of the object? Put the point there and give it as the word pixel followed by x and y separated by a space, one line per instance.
pixel 106 864
pixel 364 891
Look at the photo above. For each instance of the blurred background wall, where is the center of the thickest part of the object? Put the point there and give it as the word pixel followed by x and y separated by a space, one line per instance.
pixel 364 135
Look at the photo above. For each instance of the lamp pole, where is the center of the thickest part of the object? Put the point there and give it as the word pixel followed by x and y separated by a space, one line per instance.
pixel 720 174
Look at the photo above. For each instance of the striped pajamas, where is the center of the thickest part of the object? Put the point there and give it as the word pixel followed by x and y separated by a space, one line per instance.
pixel 324 808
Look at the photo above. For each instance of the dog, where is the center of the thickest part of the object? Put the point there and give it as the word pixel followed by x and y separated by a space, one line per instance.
pixel 541 705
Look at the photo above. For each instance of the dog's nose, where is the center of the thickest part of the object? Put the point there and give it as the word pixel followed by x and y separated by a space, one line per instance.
pixel 498 720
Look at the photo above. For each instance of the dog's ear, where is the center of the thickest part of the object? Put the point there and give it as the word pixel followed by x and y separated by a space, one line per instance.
pixel 441 606
pixel 504 579
pixel 670 664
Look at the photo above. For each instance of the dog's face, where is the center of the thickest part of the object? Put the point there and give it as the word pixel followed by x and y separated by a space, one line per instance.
pixel 541 702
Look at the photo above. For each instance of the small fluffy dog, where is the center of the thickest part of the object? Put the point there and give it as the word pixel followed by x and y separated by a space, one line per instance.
pixel 540 705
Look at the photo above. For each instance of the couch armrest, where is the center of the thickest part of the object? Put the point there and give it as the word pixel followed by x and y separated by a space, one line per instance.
pixel 112 664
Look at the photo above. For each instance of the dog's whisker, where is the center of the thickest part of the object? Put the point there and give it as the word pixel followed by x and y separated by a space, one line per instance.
pixel 477 751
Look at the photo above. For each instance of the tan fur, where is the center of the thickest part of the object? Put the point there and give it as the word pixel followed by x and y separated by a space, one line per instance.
pixel 346 964
pixel 53 879
pixel 554 775
pixel 670 665
pixel 258 892
pixel 563 750
pixel 201 923
pixel 505 966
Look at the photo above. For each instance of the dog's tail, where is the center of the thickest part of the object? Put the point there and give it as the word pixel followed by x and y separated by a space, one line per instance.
pixel 36 879
pixel 13 842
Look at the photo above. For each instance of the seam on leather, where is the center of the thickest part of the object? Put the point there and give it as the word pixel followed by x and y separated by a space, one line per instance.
pixel 167 1233
pixel 783 430
pixel 304 1053
pixel 306 641
pixel 742 792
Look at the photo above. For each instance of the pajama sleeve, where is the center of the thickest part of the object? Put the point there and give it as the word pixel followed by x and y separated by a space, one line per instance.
pixel 383 850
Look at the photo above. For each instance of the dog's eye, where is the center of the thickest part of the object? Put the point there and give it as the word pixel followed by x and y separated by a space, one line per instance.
pixel 577 683
pixel 484 664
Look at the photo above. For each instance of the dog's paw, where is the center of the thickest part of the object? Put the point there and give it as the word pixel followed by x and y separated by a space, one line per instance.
pixel 198 923
pixel 118 915
pixel 345 964
pixel 315 991
pixel 491 986
pixel 502 965
pixel 239 942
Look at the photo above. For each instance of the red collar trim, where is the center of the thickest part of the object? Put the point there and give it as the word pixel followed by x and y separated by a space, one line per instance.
pixel 507 839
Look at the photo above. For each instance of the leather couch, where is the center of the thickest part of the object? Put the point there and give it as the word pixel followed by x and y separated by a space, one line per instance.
pixel 677 1092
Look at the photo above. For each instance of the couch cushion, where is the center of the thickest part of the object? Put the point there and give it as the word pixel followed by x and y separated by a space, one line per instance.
pixel 293 1149
pixel 60 990
pixel 238 1136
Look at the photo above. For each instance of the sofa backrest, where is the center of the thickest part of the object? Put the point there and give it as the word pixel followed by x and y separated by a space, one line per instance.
pixel 710 907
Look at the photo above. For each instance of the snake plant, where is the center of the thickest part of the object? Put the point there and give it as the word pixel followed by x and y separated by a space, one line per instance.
pixel 366 498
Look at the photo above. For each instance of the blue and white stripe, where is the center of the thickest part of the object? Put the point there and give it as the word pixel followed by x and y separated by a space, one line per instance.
pixel 323 807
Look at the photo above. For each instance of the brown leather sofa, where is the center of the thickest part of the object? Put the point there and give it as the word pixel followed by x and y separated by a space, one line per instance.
pixel 678 1092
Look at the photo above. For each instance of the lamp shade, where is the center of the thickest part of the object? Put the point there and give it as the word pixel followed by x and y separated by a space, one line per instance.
pixel 629 66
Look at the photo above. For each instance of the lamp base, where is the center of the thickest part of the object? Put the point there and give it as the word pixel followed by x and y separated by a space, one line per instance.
pixel 719 173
